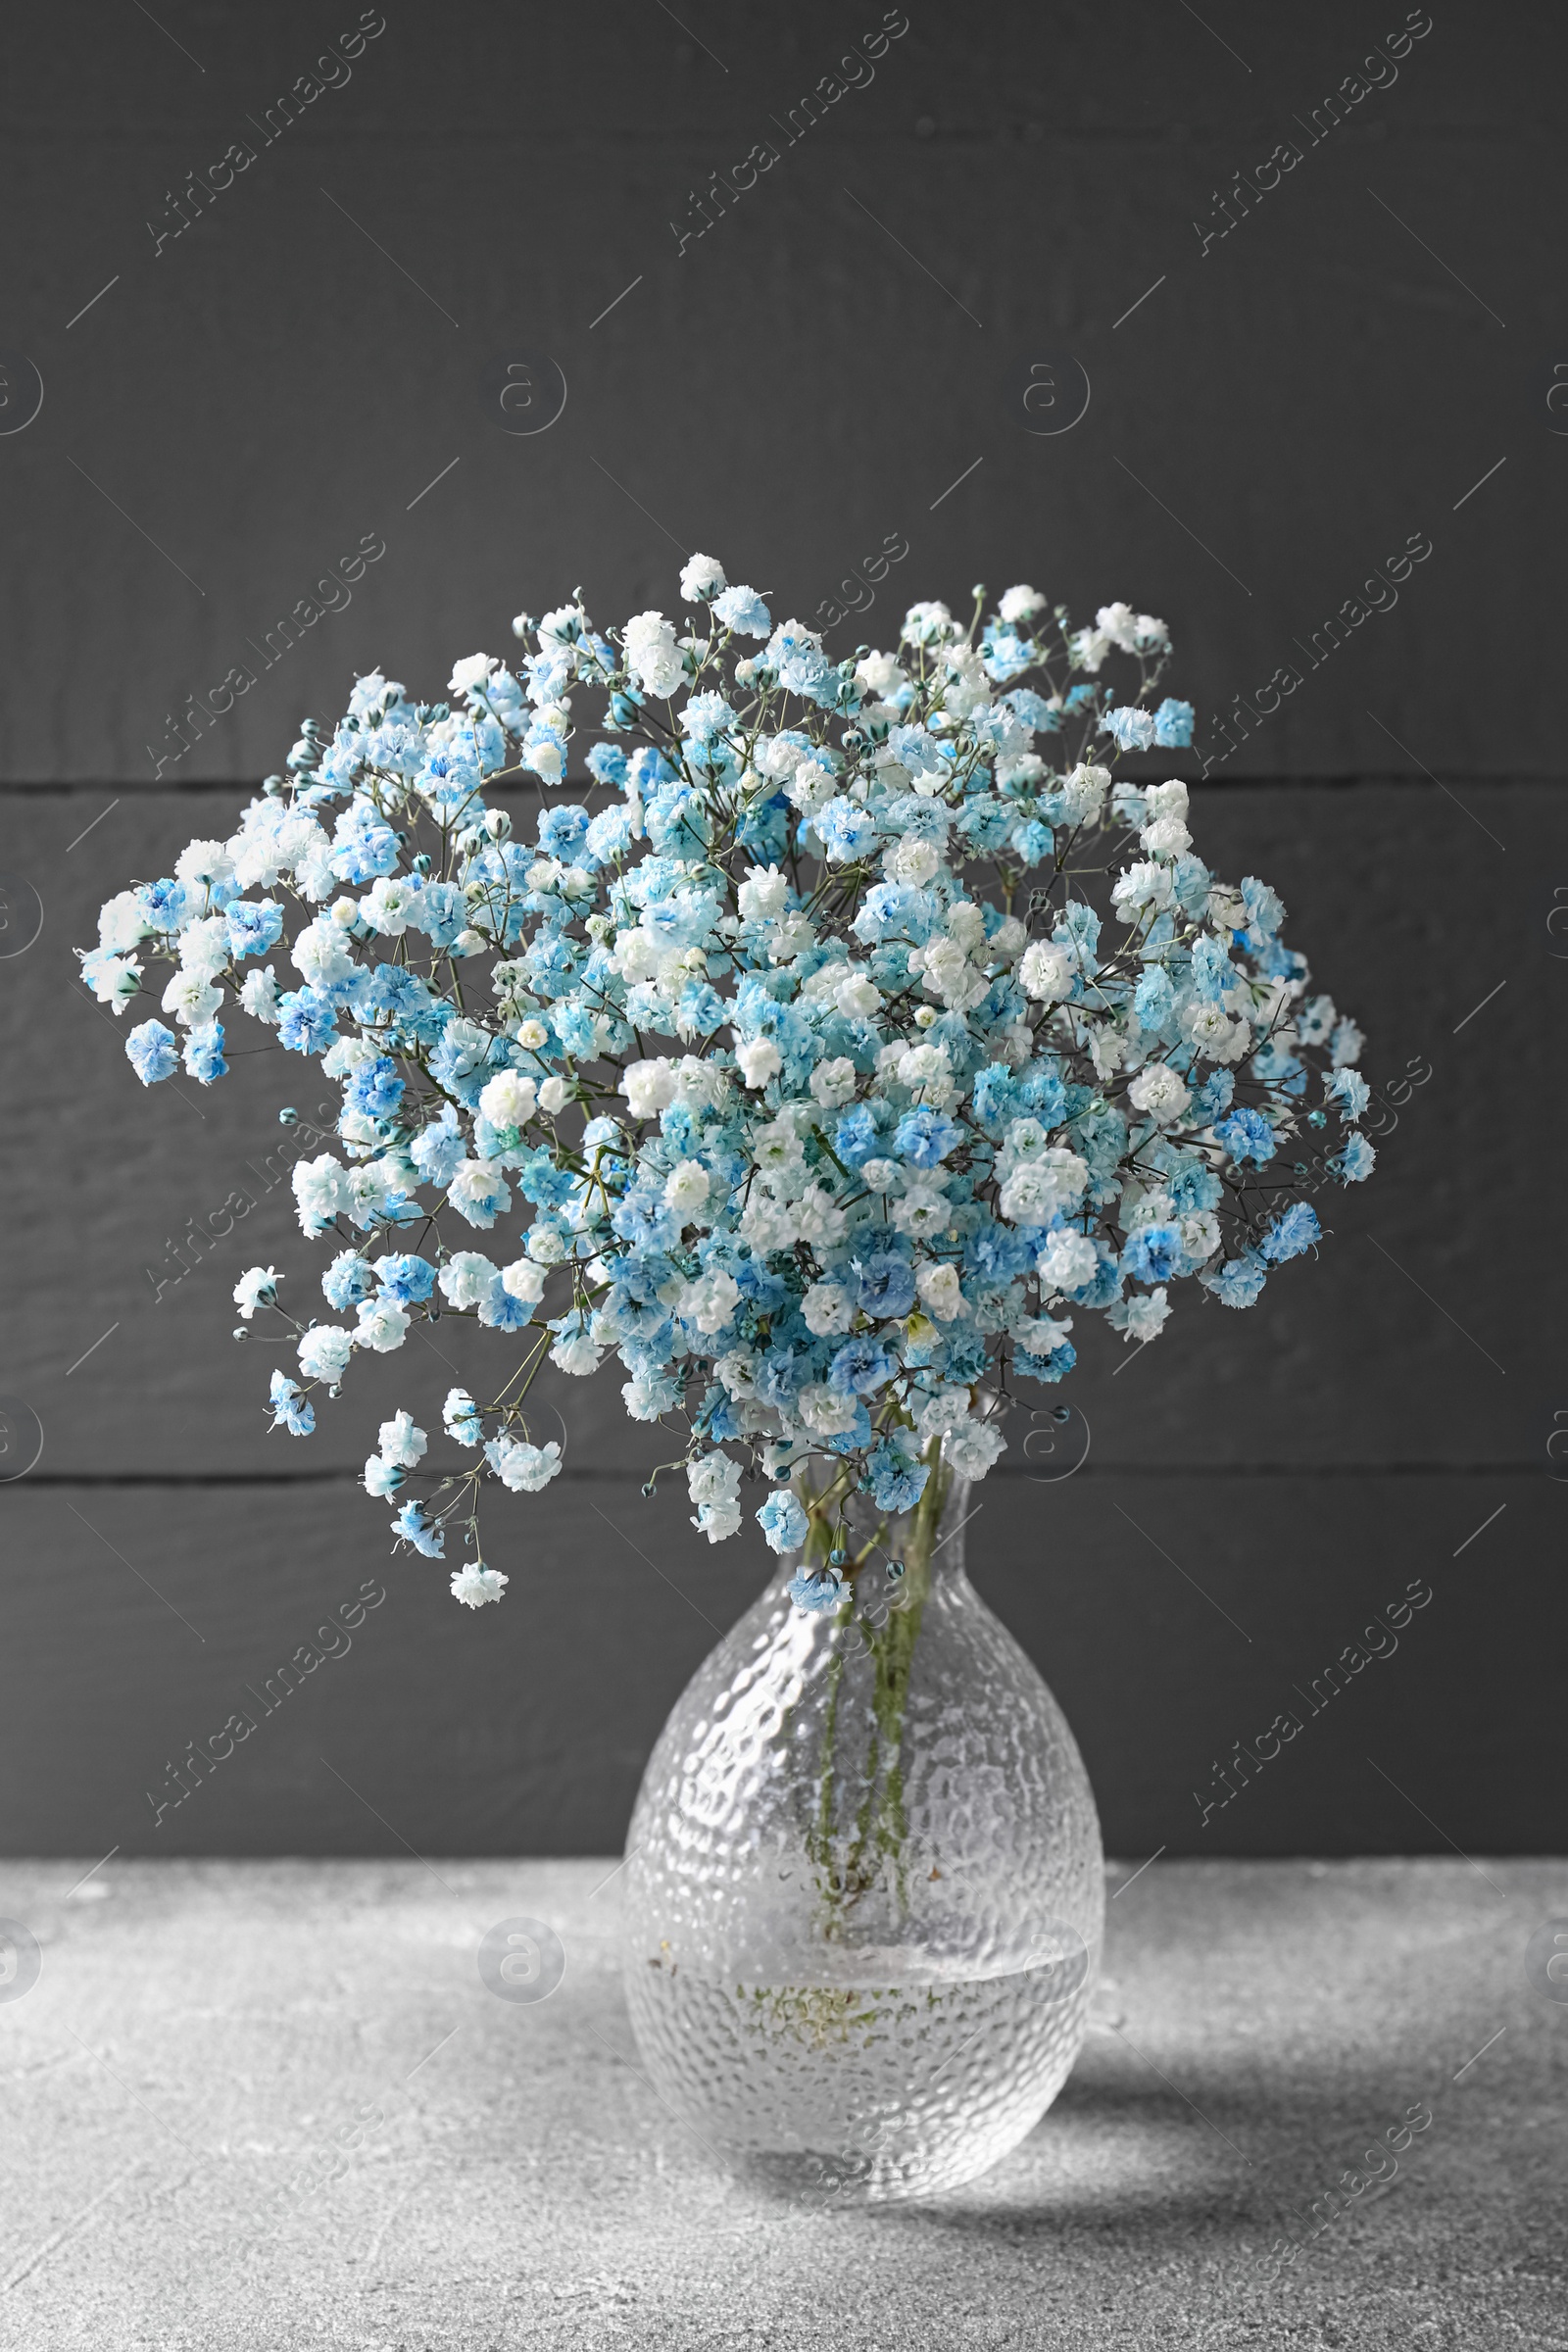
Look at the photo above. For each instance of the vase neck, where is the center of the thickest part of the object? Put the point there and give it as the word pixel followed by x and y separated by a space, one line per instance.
pixel 922 1545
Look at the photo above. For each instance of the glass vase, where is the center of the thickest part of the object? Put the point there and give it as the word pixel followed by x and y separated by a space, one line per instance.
pixel 864 1889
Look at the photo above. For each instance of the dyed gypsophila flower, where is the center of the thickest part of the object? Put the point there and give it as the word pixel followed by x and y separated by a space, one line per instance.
pixel 853 1024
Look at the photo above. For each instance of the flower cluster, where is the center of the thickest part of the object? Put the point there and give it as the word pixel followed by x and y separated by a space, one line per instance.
pixel 855 1037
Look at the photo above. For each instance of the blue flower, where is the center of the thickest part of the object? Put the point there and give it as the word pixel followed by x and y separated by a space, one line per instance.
pixel 1047 1369
pixel 925 1137
pixel 844 829
pixel 1215 1094
pixel 1237 1282
pixel 1152 1253
pixel 607 764
pixel 150 1050
pixel 306 1022
pixel 860 1368
pixel 743 611
pixel 898 1480
pixel 1173 725
pixel 290 1410
pixel 406 1281
pixel 376 1089
pixel 782 1520
pixel 1154 999
pixel 1355 1162
pixel 1133 730
pixel 162 905
pixel 439 1152
pixel 818 1590
pixel 1292 1232
pixel 562 832
pixel 254 926
pixel 886 1284
pixel 1246 1135
pixel 347 1280
pixel 855 1138
pixel 204 1052
pixel 411 1526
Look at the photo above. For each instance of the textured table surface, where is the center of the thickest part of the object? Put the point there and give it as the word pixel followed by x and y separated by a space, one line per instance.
pixel 274 2104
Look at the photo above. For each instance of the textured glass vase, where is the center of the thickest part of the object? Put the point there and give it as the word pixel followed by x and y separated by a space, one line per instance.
pixel 864 1894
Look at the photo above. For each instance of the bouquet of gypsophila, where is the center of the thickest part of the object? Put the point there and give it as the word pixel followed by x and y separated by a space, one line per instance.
pixel 836 1096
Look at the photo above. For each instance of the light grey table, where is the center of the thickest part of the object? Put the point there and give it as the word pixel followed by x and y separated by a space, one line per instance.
pixel 273 2104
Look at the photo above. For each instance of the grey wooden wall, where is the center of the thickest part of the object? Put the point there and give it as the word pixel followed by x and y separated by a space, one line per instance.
pixel 998 213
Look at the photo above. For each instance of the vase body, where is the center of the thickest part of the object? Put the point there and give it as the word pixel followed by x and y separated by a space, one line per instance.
pixel 864 1889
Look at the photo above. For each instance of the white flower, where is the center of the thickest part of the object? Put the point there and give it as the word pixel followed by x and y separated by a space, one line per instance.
pixel 522 1467
pixel 829 1309
pixel 708 1304
pixel 553 1095
pixel 651 654
pixel 475 1584
pixel 192 999
pixel 1088 649
pixel 321 1191
pixel 763 894
pixel 523 1280
pixel 1169 838
pixel 1046 971
pixel 948 1409
pixel 479 1192
pixel 811 787
pixel 509 1100
pixel 205 862
pixel 701 578
pixel 252 1288
pixel 824 1412
pixel 686 1188
pixel 1143 1315
pixel 1158 1093
pixel 927 1073
pixel 1200 1234
pixel 879 674
pixel 389 903
pixel 1034 1193
pixel 759 1061
pixel 712 1478
pixel 382 1478
pixel 1021 604
pixel 911 861
pixel 1083 794
pixel 325 1350
pixel 1212 1031
pixel 383 1325
pixel 1144 885
pixel 973 1447
pixel 817 1219
pixel 401 1443
pixel 121 924
pixel 576 1355
pixel 1067 1261
pixel 468 1279
pixel 924 1210
pixel 470 673
pixel 833 1083
pixel 1165 800
pixel 259 996
pixel 649 1088
pixel 320 954
pixel 941 1292
pixel 857 996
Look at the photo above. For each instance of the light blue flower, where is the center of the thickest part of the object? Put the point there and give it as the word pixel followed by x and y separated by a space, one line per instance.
pixel 815 1590
pixel 743 611
pixel 411 1526
pixel 783 1522
pixel 150 1050
pixel 290 1409
pixel 1246 1135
